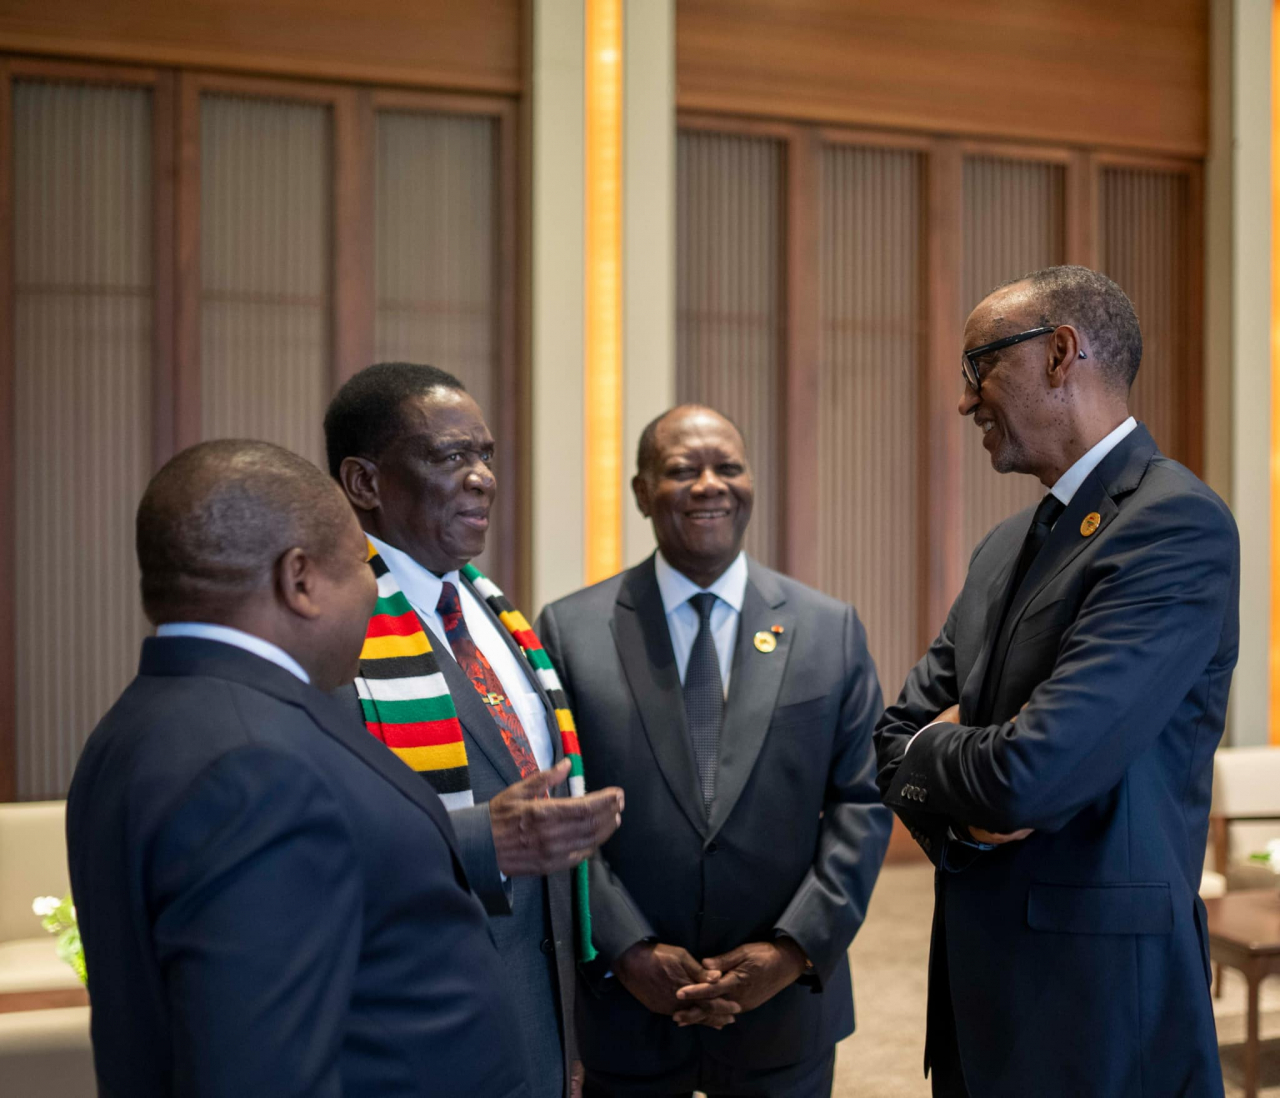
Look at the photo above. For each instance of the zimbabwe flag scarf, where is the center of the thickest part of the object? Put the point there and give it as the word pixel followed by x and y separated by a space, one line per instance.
pixel 406 703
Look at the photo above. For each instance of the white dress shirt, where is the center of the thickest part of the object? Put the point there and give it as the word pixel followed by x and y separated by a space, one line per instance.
pixel 1069 483
pixel 422 588
pixel 237 638
pixel 682 619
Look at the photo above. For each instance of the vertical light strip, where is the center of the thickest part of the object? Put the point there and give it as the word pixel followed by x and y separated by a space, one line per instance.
pixel 603 380
pixel 1273 678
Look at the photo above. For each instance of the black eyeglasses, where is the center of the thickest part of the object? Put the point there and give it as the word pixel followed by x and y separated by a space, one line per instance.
pixel 969 360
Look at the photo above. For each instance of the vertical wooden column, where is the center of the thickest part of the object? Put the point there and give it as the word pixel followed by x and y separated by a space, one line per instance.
pixel 8 652
pixel 800 357
pixel 940 425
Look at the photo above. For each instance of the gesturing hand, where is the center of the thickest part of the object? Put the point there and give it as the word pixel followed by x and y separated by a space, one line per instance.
pixel 750 975
pixel 654 973
pixel 534 835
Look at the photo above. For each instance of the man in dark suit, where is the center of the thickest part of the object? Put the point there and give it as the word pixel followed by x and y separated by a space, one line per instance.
pixel 1053 750
pixel 413 454
pixel 737 705
pixel 270 903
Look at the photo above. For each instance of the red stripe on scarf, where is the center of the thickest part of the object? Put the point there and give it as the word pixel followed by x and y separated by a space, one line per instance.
pixel 384 625
pixel 421 733
pixel 569 741
pixel 526 638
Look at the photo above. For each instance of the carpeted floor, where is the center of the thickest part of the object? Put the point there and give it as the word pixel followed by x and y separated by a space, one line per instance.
pixel 883 1059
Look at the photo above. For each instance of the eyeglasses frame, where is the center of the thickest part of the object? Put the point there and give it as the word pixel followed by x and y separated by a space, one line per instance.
pixel 970 358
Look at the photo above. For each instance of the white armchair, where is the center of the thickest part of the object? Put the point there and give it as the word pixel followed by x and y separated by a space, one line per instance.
pixel 33 862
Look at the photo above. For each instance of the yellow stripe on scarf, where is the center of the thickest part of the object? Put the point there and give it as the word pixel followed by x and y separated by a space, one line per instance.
pixel 445 756
pixel 378 648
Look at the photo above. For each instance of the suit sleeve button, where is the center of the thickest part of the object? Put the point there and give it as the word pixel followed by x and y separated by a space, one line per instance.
pixel 548 947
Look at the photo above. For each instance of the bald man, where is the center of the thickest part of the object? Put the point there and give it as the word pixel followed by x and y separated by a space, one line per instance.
pixel 271 902
pixel 736 706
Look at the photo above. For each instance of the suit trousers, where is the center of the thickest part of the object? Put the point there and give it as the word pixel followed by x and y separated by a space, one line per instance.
pixel 808 1079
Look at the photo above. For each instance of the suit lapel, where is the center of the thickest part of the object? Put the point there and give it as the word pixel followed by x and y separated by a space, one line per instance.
pixel 1117 474
pixel 753 688
pixel 997 594
pixel 472 712
pixel 644 646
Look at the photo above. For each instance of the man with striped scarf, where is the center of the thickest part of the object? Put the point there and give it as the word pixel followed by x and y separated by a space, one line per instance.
pixel 454 683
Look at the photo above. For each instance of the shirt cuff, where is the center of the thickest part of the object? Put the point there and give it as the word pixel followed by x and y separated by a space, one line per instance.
pixel 913 738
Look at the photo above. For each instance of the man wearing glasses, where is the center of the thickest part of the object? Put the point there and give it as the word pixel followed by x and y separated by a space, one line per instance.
pixel 1052 751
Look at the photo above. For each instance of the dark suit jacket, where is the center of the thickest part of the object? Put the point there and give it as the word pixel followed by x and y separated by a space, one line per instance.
pixel 1077 958
pixel 271 903
pixel 796 834
pixel 533 922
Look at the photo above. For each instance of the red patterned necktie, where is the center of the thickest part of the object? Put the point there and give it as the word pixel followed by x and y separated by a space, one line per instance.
pixel 485 680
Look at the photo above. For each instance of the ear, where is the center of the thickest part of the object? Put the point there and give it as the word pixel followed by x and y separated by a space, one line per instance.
pixel 296 583
pixel 359 480
pixel 640 489
pixel 1066 348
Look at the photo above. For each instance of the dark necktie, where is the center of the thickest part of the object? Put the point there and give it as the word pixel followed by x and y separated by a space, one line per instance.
pixel 704 699
pixel 1041 523
pixel 485 680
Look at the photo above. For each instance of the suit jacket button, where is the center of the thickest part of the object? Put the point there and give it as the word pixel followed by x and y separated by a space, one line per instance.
pixel 548 947
pixel 712 847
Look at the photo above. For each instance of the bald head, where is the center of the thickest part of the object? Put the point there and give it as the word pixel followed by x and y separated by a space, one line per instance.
pixel 216 519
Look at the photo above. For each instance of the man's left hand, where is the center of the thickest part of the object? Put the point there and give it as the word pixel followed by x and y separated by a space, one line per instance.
pixel 577 1075
pixel 750 975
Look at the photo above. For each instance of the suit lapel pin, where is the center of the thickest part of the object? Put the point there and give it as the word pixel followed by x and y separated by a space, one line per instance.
pixel 1090 523
pixel 776 629
pixel 765 642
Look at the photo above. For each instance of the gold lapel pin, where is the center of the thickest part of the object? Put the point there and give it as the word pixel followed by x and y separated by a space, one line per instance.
pixel 1090 523
pixel 765 642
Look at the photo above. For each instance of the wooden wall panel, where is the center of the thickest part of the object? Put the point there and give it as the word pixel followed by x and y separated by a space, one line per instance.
pixel 729 273
pixel 428 43
pixel 1096 72
pixel 1014 222
pixel 1144 230
pixel 872 278
pixel 435 251
pixel 83 281
pixel 265 262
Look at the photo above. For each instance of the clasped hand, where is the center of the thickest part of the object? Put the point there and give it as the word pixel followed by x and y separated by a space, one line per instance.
pixel 534 834
pixel 668 980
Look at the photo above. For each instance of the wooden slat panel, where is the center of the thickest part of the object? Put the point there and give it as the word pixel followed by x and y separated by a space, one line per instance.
pixel 1014 222
pixel 871 248
pixel 436 213
pixel 1144 230
pixel 266 209
pixel 428 43
pixel 82 337
pixel 1070 71
pixel 729 269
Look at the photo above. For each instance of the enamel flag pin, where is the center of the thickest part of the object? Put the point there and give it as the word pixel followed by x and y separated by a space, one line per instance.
pixel 1090 523
pixel 765 642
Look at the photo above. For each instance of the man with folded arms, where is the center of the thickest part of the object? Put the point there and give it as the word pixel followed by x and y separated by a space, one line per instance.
pixel 1053 750
pixel 270 903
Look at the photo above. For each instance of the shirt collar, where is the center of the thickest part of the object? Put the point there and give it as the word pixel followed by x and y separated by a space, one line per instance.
pixel 207 630
pixel 420 585
pixel 676 588
pixel 1069 483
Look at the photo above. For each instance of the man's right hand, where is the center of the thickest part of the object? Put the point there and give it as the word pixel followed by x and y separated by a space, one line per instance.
pixel 534 834
pixel 653 973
